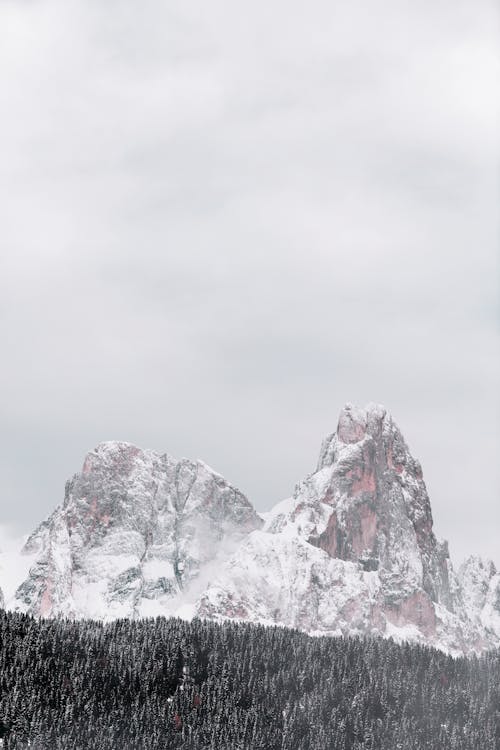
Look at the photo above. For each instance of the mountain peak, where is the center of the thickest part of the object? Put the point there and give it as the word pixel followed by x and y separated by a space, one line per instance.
pixel 116 454
pixel 357 541
pixel 355 422
pixel 351 551
pixel 363 432
pixel 134 531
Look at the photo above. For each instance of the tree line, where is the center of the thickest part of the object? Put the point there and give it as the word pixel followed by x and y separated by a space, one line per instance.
pixel 161 684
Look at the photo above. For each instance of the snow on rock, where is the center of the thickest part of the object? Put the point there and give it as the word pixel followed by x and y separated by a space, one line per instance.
pixel 134 530
pixel 480 585
pixel 282 579
pixel 353 550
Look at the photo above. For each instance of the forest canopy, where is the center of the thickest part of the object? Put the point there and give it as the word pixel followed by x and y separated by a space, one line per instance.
pixel 166 683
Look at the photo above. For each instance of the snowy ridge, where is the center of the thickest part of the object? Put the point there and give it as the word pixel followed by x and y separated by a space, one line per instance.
pixel 352 551
pixel 132 535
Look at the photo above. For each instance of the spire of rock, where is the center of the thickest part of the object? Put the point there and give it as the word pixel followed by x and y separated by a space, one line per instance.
pixel 352 551
pixel 357 539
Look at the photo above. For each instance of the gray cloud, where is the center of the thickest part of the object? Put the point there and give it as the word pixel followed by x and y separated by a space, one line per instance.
pixel 221 223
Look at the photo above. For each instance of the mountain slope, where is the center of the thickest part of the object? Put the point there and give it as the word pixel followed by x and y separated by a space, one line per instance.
pixel 354 551
pixel 480 584
pixel 134 531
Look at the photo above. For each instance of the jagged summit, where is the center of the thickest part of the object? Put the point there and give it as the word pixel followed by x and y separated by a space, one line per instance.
pixel 354 422
pixel 377 493
pixel 134 530
pixel 351 551
pixel 357 540
pixel 356 425
pixel 122 456
pixel 116 446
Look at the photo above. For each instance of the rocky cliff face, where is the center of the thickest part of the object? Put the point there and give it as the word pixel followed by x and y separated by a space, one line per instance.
pixel 352 551
pixel 134 532
pixel 480 585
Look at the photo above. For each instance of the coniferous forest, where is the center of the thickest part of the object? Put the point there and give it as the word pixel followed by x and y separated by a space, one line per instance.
pixel 165 683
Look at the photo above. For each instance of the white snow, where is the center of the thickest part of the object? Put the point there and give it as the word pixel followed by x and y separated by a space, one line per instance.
pixel 143 534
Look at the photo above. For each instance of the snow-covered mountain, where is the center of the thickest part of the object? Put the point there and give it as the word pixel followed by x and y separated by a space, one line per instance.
pixel 480 587
pixel 352 551
pixel 135 529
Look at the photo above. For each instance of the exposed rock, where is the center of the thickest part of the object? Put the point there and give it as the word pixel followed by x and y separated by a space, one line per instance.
pixel 381 515
pixel 378 567
pixel 480 584
pixel 352 551
pixel 134 530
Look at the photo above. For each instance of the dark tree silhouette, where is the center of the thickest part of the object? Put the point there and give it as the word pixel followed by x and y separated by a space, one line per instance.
pixel 159 683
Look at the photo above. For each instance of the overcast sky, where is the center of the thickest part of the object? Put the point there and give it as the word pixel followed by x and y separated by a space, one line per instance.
pixel 221 221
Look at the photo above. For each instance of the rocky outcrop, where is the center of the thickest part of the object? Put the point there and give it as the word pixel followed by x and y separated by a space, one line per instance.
pixel 381 515
pixel 135 530
pixel 354 549
pixel 480 587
